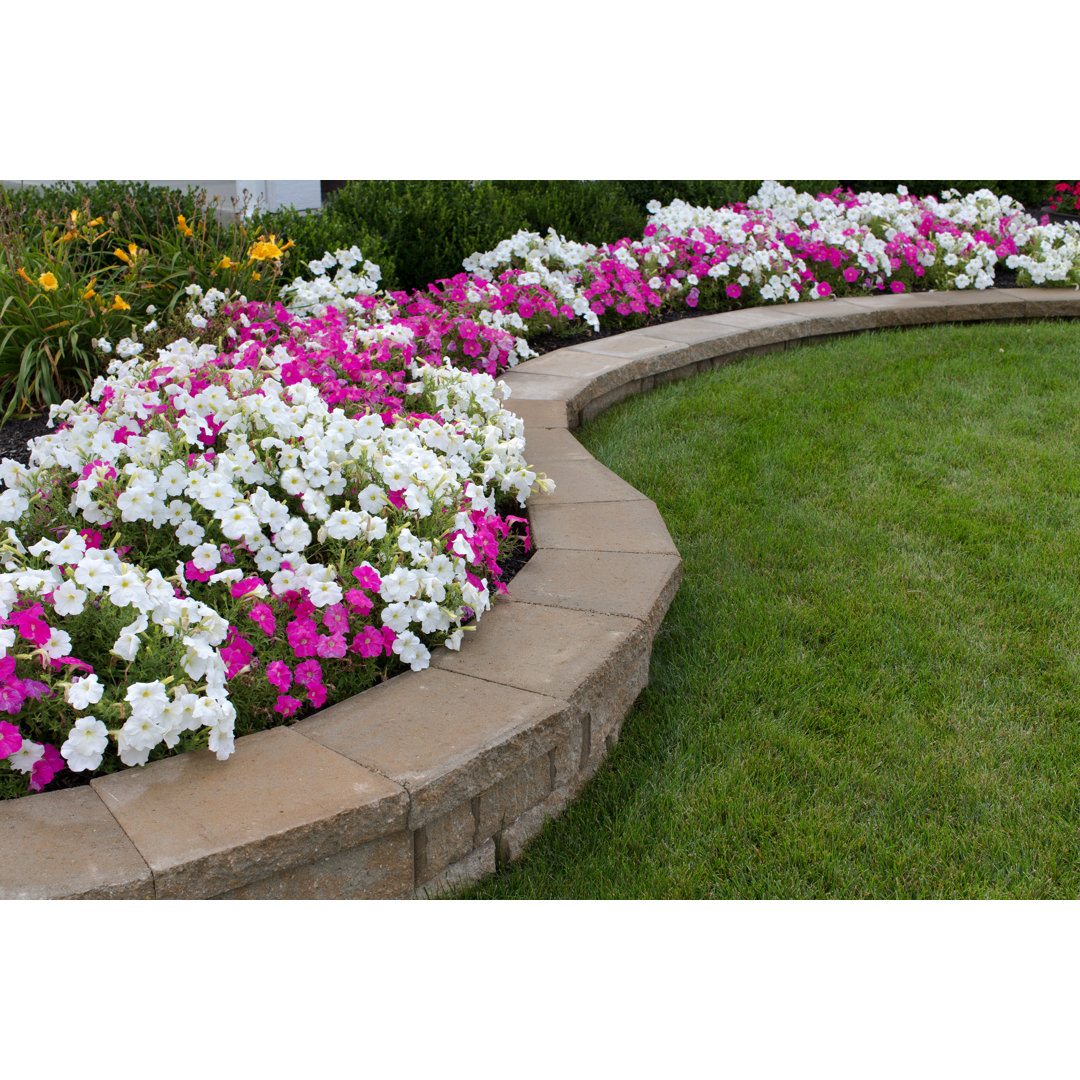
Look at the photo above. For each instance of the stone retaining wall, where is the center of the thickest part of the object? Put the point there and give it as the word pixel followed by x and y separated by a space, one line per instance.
pixel 435 777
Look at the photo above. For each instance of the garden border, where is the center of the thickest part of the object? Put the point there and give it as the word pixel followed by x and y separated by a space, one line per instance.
pixel 432 779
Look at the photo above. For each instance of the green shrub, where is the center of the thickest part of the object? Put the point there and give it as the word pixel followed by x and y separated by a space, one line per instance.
pixel 418 230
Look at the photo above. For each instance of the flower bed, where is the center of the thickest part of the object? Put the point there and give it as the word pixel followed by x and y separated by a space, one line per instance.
pixel 290 503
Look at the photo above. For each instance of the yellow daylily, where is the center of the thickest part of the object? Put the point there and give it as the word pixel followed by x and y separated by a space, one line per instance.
pixel 226 263
pixel 119 305
pixel 25 276
pixel 89 291
pixel 48 281
pixel 185 228
pixel 267 249
pixel 128 256
pixel 98 221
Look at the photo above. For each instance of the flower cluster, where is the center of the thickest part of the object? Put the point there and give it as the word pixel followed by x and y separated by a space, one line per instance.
pixel 1066 197
pixel 292 513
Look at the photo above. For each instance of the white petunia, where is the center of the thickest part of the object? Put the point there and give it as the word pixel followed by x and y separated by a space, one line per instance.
pixel 85 745
pixel 84 692
pixel 68 599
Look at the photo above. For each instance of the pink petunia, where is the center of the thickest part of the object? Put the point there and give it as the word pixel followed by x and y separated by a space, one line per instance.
pixel 263 617
pixel 308 672
pixel 369 642
pixel 851 274
pixel 12 696
pixel 336 619
pixel 332 646
pixel 10 739
pixel 823 288
pixel 368 578
pixel 46 767
pixel 897 286
pixel 244 586
pixel 279 675
pixel 287 705
pixel 734 291
pixel 316 693
pixel 303 636
pixel 360 601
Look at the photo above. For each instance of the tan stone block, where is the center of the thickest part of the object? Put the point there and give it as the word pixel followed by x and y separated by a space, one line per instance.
pixel 532 386
pixel 582 481
pixel 1048 303
pixel 579 363
pixel 569 757
pixel 553 445
pixel 583 378
pixel 513 839
pixel 634 585
pixel 65 845
pixel 613 526
pixel 754 327
pixel 206 827
pixel 378 870
pixel 592 661
pixel 636 345
pixel 460 875
pixel 446 735
pixel 444 840
pixel 542 414
pixel 918 309
pixel 510 798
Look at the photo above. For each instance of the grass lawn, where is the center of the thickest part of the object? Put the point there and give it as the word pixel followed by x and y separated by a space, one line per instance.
pixel 869 682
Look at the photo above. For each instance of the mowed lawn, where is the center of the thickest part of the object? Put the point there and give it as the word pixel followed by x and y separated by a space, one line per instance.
pixel 868 684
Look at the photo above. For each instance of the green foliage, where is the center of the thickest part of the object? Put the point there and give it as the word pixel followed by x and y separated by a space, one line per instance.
pixel 73 272
pixel 315 232
pixel 714 193
pixel 418 231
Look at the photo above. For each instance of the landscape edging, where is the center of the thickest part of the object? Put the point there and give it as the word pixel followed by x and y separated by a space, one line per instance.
pixel 435 778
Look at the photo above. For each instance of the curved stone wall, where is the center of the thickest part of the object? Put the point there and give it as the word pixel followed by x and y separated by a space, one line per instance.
pixel 435 777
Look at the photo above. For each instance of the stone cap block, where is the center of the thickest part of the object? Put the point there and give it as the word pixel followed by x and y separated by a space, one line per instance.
pixel 583 481
pixel 629 584
pixel 608 526
pixel 556 652
pixel 552 445
pixel 542 413
pixel 442 735
pixel 1049 303
pixel 914 309
pixel 206 827
pixel 65 845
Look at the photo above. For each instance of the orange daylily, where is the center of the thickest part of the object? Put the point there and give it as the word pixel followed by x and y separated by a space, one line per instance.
pixel 25 276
